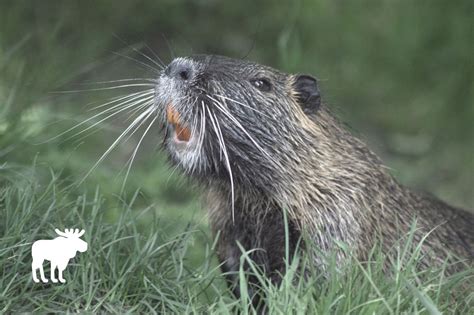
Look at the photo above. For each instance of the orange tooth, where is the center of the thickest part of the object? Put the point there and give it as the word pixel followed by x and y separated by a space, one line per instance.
pixel 182 133
pixel 172 115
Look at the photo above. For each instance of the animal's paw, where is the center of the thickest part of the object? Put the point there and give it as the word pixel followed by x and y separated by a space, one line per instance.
pixel 44 280
pixel 62 280
pixel 54 280
pixel 36 280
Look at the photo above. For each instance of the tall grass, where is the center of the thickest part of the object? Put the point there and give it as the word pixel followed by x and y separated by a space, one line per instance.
pixel 134 264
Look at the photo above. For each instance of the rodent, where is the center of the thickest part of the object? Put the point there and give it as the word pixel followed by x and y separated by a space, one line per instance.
pixel 261 142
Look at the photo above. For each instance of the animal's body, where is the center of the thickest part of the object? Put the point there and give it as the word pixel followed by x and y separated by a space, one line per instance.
pixel 58 251
pixel 261 142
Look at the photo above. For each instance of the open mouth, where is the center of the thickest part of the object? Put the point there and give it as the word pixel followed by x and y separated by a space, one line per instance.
pixel 182 133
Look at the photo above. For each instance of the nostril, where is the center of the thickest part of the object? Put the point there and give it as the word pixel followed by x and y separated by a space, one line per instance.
pixel 180 69
pixel 184 74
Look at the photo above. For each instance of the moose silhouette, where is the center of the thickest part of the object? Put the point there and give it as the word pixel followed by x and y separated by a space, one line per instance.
pixel 58 251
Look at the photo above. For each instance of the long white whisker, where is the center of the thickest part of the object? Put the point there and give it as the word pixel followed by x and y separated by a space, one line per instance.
pixel 147 66
pixel 142 106
pixel 139 108
pixel 202 131
pixel 121 80
pixel 245 105
pixel 106 88
pixel 174 169
pixel 136 150
pixel 129 96
pixel 128 106
pixel 138 126
pixel 162 64
pixel 119 138
pixel 147 57
pixel 239 125
pixel 215 122
pixel 123 103
pixel 194 127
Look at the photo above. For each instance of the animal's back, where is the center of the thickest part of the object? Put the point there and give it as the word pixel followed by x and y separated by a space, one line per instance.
pixel 453 228
pixel 445 233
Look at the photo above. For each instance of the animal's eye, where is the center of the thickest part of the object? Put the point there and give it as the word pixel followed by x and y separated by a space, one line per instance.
pixel 262 84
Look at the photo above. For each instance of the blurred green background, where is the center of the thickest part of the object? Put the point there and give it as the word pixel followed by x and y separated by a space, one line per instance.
pixel 400 73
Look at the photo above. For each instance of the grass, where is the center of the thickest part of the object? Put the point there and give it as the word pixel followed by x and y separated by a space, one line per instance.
pixel 135 264
pixel 123 270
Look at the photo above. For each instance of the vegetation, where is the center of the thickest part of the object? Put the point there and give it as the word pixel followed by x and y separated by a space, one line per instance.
pixel 399 72
pixel 134 265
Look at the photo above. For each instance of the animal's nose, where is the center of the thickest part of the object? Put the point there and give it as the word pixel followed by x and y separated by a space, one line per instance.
pixel 180 69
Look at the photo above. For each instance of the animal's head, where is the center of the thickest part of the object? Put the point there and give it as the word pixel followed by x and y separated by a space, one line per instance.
pixel 226 115
pixel 73 237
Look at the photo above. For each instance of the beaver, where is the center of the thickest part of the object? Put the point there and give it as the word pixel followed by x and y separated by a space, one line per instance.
pixel 262 144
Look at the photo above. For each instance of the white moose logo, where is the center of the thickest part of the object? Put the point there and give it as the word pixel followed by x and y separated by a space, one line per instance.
pixel 58 251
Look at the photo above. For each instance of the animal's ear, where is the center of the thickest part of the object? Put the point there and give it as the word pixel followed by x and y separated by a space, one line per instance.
pixel 307 92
